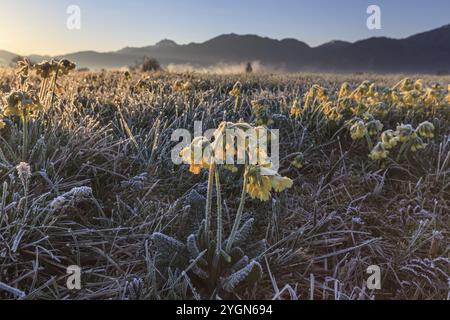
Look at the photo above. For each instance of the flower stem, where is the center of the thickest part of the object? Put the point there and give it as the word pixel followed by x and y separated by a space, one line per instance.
pixel 402 151
pixel 52 97
pixel 212 169
pixel 25 137
pixel 219 213
pixel 369 141
pixel 237 220
pixel 236 107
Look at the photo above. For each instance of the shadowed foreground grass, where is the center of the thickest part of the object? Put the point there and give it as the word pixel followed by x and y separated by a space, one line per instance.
pixel 101 182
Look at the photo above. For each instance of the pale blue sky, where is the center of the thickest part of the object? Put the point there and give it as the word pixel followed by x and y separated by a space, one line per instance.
pixel 39 26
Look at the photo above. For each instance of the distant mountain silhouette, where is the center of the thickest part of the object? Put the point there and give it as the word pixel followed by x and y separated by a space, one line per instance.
pixel 427 52
pixel 6 57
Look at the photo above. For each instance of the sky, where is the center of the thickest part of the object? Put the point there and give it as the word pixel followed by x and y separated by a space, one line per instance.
pixel 40 26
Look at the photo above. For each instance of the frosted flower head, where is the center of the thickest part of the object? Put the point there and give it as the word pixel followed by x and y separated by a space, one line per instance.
pixel 296 109
pixel 389 139
pixel 379 152
pixel 407 85
pixel 236 91
pixel 188 86
pixel 194 155
pixel 177 86
pixel 417 143
pixel 426 130
pixel 405 132
pixel 24 172
pixel 45 69
pixel 374 127
pixel 358 130
pixel 65 66
pixel 298 161
pixel 345 90
pixel 21 103
pixel 262 180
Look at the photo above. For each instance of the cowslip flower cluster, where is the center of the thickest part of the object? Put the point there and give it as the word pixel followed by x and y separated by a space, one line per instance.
pixel 379 152
pixel 259 174
pixel 410 138
pixel 262 180
pixel 180 86
pixel 358 130
pixel 46 69
pixel 22 104
pixel 261 109
pixel 296 109
pixel 236 91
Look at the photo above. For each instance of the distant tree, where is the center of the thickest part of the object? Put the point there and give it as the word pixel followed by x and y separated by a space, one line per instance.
pixel 442 73
pixel 249 68
pixel 150 64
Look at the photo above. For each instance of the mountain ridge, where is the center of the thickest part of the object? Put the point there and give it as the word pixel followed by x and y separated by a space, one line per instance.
pixel 425 52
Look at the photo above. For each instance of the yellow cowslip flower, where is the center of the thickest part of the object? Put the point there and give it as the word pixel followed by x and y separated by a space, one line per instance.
pixel 258 187
pixel 359 93
pixel 177 86
pixel 407 85
pixel 358 130
pixel 255 148
pixel 411 97
pixel 188 86
pixel 298 161
pixel 143 84
pixel 374 127
pixel 200 153
pixel 296 109
pixel 195 156
pixel 389 139
pixel 372 91
pixel 418 85
pixel 317 93
pixel 345 90
pixel 224 150
pixel 2 124
pixel 65 66
pixel 380 108
pixel 404 132
pixel 260 104
pixel 45 69
pixel 333 114
pixel 417 144
pixel 448 94
pixel 322 95
pixel 395 97
pixel 261 109
pixel 379 152
pixel 404 85
pixel 262 180
pixel 434 96
pixel 21 103
pixel 236 91
pixel 279 183
pixel 426 130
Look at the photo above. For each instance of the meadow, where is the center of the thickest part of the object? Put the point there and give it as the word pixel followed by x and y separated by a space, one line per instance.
pixel 87 179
